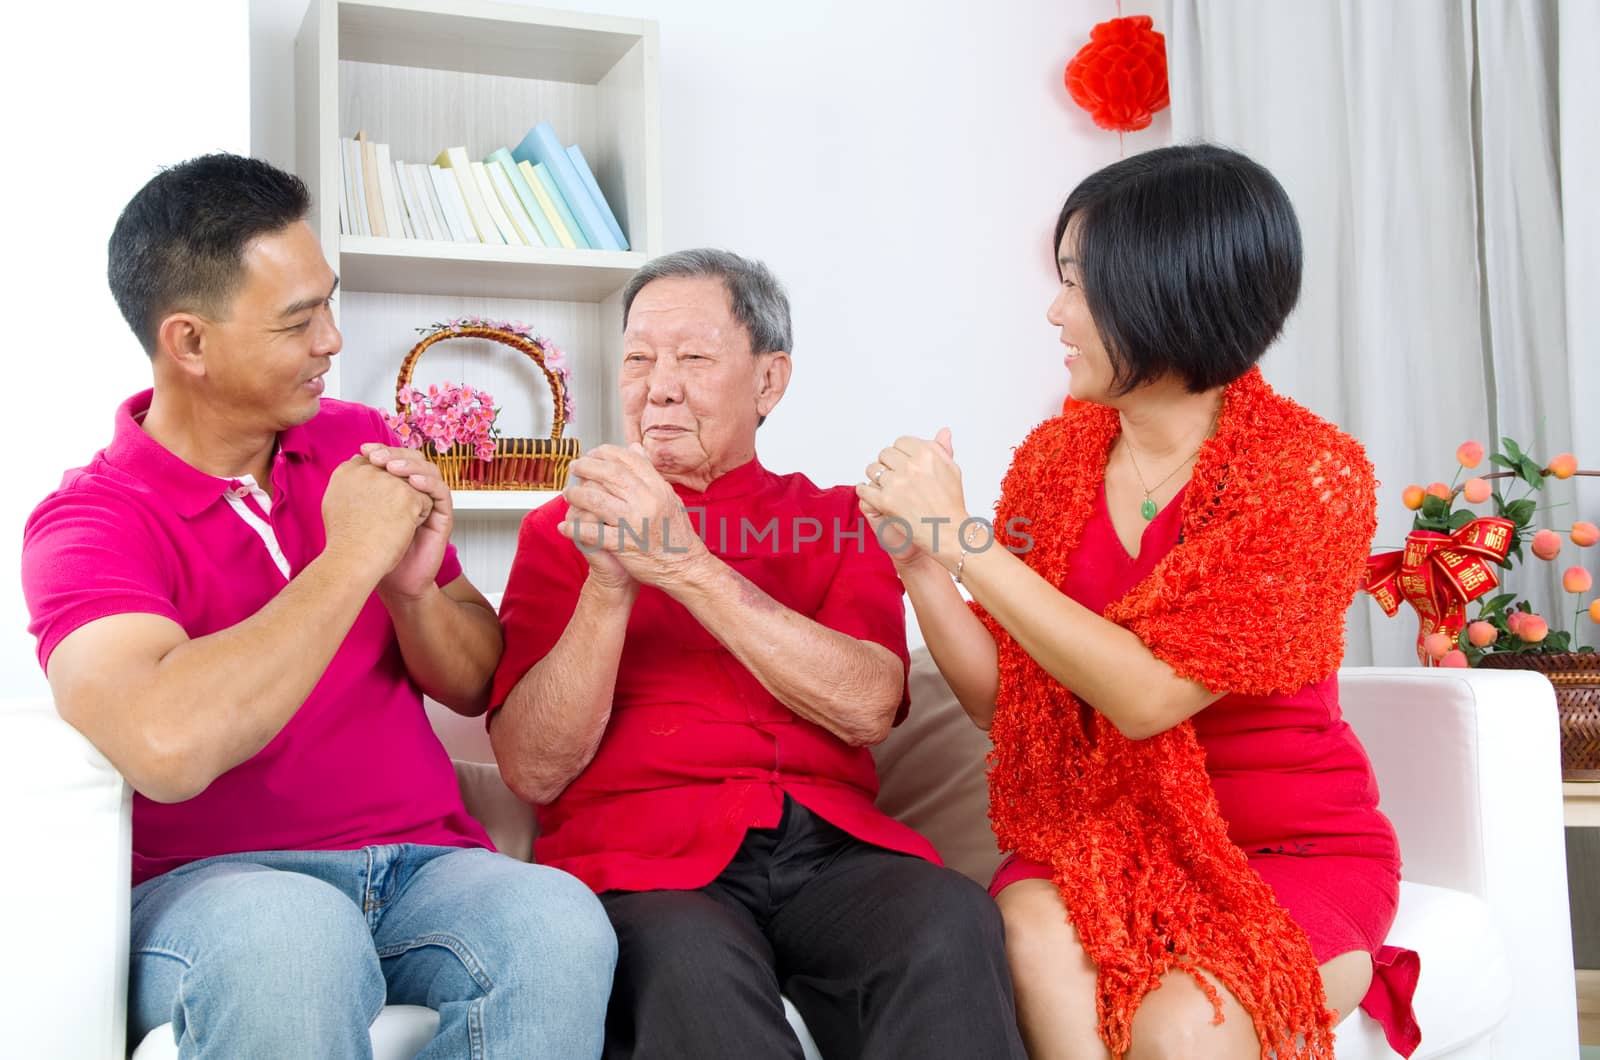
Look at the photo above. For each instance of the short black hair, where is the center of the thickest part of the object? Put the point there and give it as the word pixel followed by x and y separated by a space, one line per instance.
pixel 180 241
pixel 1191 259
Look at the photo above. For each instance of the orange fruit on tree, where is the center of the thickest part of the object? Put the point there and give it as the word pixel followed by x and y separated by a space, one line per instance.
pixel 1533 629
pixel 1412 496
pixel 1585 534
pixel 1482 634
pixel 1476 490
pixel 1455 659
pixel 1594 609
pixel 1546 544
pixel 1469 454
pixel 1564 465
pixel 1436 644
pixel 1440 490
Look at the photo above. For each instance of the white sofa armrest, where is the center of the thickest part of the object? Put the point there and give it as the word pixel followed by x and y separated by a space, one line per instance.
pixel 1468 765
pixel 65 887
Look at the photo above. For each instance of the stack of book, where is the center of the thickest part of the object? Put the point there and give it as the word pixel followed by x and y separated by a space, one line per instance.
pixel 537 194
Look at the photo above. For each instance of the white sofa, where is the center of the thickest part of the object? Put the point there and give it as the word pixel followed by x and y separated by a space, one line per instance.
pixel 1467 761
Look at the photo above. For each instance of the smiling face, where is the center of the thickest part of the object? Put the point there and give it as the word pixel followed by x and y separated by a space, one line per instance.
pixel 264 360
pixel 1089 365
pixel 692 390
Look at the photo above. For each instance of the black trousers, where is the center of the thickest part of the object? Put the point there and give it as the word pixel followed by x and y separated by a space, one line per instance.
pixel 886 956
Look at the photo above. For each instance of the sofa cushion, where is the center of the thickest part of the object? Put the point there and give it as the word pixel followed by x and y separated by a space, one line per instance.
pixel 933 774
pixel 399 1033
pixel 509 821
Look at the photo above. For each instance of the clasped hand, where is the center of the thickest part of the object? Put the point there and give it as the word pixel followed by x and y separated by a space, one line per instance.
pixel 627 520
pixel 913 499
pixel 391 506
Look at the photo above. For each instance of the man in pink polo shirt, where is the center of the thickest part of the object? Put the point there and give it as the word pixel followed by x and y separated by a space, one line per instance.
pixel 239 601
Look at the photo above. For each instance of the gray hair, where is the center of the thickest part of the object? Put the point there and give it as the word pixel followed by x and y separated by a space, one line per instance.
pixel 757 298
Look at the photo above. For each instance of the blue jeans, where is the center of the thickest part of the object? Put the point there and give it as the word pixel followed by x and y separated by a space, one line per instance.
pixel 294 953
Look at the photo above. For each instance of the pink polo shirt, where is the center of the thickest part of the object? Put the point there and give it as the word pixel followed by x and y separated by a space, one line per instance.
pixel 140 531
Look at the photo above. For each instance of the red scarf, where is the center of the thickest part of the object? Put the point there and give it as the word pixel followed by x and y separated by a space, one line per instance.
pixel 1278 520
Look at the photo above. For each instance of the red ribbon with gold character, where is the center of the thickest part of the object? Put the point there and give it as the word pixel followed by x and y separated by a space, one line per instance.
pixel 1438 574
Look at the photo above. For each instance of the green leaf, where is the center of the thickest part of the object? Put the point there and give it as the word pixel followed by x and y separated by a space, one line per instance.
pixel 1502 461
pixel 1461 518
pixel 1521 512
pixel 1498 603
pixel 1435 508
pixel 1557 641
pixel 1513 450
pixel 1531 473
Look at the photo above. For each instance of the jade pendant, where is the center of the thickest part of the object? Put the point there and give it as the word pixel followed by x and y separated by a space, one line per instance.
pixel 1148 509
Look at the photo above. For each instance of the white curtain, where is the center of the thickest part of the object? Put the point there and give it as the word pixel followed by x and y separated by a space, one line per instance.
pixel 1441 156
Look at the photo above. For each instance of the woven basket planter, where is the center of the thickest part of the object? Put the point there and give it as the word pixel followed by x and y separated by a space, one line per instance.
pixel 1576 678
pixel 518 463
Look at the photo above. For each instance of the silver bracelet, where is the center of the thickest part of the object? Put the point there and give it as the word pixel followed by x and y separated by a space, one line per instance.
pixel 960 563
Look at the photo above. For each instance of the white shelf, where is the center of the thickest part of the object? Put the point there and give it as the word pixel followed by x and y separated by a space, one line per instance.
pixel 484 37
pixel 432 267
pixel 501 500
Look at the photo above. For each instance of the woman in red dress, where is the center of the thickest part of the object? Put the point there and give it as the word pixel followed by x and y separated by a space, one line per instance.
pixel 1198 862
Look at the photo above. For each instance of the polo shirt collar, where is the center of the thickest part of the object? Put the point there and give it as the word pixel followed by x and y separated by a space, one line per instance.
pixel 189 490
pixel 730 485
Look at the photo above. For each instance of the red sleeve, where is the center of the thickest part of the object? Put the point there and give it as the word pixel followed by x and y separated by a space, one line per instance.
pixel 541 594
pixel 864 600
pixel 87 556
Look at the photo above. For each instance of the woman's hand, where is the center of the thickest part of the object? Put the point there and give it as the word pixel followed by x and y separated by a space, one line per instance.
pixel 913 499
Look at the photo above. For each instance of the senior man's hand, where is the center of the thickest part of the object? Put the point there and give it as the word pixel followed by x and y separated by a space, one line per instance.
pixel 620 505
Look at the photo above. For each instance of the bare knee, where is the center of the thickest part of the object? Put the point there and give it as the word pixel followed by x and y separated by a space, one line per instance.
pixel 1040 941
pixel 1053 977
pixel 1177 1021
pixel 1345 980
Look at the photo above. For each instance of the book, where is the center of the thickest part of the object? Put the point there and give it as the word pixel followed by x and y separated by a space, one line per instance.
pixel 491 200
pixel 586 175
pixel 428 200
pixel 542 147
pixel 511 204
pixel 394 210
pixel 373 190
pixel 358 188
pixel 455 160
pixel 530 204
pixel 344 193
pixel 566 225
pixel 455 208
pixel 408 195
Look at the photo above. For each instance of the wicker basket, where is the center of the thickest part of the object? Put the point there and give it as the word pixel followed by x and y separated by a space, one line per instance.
pixel 1577 680
pixel 519 463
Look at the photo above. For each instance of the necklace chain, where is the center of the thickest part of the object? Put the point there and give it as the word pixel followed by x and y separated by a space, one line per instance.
pixel 1148 508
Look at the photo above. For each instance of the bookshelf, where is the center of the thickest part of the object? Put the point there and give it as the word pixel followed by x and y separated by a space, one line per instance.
pixel 423 75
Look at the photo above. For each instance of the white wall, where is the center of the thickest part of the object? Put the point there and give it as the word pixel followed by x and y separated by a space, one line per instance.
pixel 98 95
pixel 899 164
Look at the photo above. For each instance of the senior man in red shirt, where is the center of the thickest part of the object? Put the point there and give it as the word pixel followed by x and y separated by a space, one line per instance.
pixel 699 653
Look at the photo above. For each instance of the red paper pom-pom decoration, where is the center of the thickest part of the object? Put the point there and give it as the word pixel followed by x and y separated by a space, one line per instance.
pixel 1120 76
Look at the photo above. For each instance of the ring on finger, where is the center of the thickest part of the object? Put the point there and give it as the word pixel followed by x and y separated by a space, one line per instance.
pixel 877 476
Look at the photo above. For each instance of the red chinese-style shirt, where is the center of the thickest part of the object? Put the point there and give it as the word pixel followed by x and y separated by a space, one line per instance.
pixel 697 751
